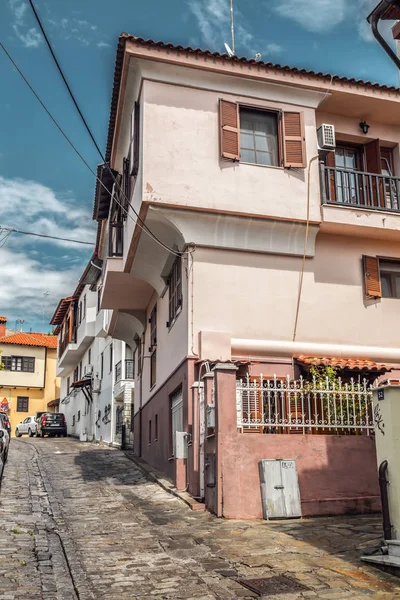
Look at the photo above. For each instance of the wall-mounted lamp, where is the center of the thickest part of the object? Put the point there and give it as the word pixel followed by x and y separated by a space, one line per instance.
pixel 364 127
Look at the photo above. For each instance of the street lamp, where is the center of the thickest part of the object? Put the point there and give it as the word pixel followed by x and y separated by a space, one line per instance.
pixel 386 10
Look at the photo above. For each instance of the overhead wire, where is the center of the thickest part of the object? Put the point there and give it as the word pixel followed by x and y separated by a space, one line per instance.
pixel 85 123
pixel 81 157
pixel 8 231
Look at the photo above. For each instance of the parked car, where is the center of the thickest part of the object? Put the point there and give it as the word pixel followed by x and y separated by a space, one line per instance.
pixel 27 426
pixel 6 422
pixel 51 424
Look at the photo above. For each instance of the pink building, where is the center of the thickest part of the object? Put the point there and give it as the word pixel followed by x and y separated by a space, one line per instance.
pixel 253 232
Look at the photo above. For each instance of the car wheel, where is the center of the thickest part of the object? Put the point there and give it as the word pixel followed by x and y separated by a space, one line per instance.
pixel 42 434
pixel 64 435
pixel 30 432
pixel 17 433
pixel 37 434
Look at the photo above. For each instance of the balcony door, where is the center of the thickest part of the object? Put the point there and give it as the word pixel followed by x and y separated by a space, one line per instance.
pixel 348 159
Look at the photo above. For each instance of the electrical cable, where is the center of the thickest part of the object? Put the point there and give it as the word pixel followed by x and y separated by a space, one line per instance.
pixel 88 128
pixel 9 230
pixel 305 247
pixel 80 155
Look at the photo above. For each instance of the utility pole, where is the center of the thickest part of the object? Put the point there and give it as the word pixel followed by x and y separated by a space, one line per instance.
pixel 386 10
pixel 232 27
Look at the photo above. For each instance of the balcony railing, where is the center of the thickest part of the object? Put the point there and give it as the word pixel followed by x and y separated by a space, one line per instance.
pixel 359 189
pixel 64 343
pixel 129 370
pixel 304 407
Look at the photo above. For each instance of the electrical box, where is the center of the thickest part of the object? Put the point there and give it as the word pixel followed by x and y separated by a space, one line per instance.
pixel 210 410
pixel 326 137
pixel 180 444
pixel 280 493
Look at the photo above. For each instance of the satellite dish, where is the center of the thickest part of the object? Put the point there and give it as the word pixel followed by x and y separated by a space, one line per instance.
pixel 228 50
pixel 258 56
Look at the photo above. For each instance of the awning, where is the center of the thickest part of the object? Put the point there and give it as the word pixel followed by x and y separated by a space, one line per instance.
pixel 53 403
pixel 347 364
pixel 61 310
pixel 85 385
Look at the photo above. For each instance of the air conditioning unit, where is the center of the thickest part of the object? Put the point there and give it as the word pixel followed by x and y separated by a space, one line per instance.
pixel 326 137
pixel 88 370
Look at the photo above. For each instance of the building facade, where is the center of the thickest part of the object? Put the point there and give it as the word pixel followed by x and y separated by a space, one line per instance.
pixel 96 371
pixel 249 231
pixel 28 379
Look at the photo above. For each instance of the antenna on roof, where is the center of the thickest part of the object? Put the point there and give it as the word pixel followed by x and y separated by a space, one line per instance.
pixel 228 50
pixel 231 51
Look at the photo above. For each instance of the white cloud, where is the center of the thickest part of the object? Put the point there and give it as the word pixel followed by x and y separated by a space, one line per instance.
pixel 29 36
pixel 213 21
pixel 272 49
pixel 78 29
pixel 30 265
pixel 319 16
pixel 103 45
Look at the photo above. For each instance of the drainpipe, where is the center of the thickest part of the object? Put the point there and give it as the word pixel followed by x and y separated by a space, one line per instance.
pixel 383 483
pixel 374 18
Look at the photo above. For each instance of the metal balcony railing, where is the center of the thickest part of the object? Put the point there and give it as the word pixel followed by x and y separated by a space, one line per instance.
pixel 359 189
pixel 129 370
pixel 64 343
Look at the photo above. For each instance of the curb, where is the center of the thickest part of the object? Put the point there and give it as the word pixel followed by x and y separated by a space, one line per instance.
pixel 166 484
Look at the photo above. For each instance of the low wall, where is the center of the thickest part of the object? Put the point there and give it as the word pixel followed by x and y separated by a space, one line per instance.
pixel 337 474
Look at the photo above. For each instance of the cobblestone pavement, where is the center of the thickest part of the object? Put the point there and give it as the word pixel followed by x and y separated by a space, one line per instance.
pixel 83 522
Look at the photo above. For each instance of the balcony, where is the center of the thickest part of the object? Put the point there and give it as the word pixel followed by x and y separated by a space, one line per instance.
pixel 71 351
pixel 124 375
pixel 359 203
pixel 359 189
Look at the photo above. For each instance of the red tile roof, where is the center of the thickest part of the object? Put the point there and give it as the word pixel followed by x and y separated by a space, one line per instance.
pixel 30 339
pixel 353 364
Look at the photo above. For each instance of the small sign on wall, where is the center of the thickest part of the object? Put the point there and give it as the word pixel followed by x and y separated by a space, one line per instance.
pixel 381 394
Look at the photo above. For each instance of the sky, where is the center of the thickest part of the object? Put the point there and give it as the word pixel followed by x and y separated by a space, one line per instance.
pixel 45 188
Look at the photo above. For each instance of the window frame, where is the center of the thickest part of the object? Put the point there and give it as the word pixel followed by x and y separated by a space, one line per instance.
pixel 156 427
pixel 26 363
pixel 111 357
pixel 391 276
pixel 175 294
pixel 149 432
pixel 174 407
pixel 153 369
pixel 279 135
pixel 101 365
pixel 153 327
pixel 22 399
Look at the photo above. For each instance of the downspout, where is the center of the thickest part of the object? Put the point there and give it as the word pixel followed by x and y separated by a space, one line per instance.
pixel 383 483
pixel 374 19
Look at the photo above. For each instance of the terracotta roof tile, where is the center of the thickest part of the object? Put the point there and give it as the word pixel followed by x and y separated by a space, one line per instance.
pixel 353 364
pixel 30 339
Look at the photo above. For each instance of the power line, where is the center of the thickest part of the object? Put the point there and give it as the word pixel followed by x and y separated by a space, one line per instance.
pixel 79 154
pixel 8 231
pixel 89 130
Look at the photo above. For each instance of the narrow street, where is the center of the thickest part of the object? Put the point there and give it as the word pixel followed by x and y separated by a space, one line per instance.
pixel 79 522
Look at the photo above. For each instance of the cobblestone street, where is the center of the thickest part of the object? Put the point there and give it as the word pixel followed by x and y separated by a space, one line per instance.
pixel 79 521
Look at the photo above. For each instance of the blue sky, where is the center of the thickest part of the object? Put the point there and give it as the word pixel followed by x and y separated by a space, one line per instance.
pixel 43 185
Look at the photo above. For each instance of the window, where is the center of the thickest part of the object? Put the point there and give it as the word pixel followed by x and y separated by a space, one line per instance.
pixel 111 357
pixel 261 136
pixel 149 432
pixel 156 428
pixel 98 298
pixel 101 365
pixel 135 137
pixel 79 416
pixel 116 230
pixel 80 312
pixel 153 369
pixel 76 374
pixel 381 277
pixel 84 307
pixel 89 356
pixel 22 404
pixel 390 278
pixel 68 385
pixel 119 421
pixel 139 355
pixel 80 370
pixel 176 417
pixel 175 290
pixel 153 327
pixel 24 364
pixel 73 420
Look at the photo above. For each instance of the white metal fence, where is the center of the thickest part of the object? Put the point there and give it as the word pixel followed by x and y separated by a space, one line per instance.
pixel 305 407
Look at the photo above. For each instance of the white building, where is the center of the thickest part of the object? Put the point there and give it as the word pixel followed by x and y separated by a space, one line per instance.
pixel 96 371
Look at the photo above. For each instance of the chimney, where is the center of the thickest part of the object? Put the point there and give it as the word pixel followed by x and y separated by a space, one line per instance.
pixel 3 325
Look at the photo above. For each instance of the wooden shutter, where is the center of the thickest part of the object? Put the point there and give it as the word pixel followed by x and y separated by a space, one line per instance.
pixel 331 162
pixel 229 129
pixel 136 139
pixel 373 161
pixel 294 146
pixel 372 280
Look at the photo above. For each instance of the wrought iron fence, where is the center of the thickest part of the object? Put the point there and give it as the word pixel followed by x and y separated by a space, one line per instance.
pixel 129 370
pixel 303 406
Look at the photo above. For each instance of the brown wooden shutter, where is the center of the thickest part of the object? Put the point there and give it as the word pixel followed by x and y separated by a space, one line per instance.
pixel 373 161
pixel 229 129
pixel 331 162
pixel 372 280
pixel 294 146
pixel 136 139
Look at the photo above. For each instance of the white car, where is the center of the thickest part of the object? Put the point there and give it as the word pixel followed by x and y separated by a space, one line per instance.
pixel 28 426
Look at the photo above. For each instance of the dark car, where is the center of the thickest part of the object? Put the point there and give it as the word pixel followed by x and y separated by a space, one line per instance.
pixel 51 424
pixel 4 443
pixel 5 421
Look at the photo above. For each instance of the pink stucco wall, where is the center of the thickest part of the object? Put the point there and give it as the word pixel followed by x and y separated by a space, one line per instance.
pixel 337 474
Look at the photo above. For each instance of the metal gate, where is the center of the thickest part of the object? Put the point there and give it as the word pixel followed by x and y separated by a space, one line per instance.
pixel 280 492
pixel 202 422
